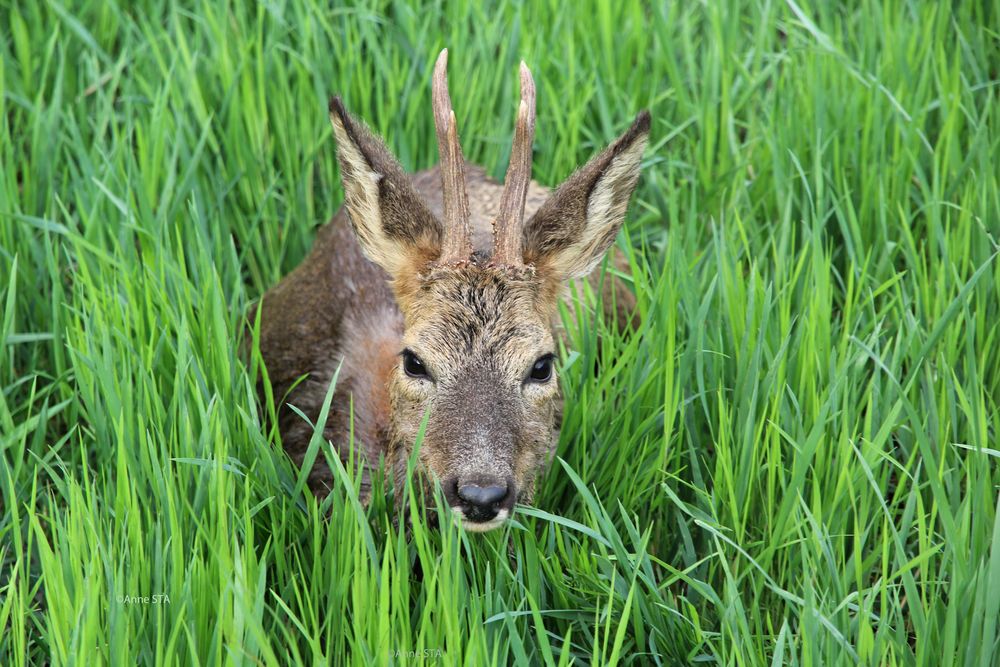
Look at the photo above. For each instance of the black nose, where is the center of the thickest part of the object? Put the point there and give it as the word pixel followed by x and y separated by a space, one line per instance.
pixel 482 496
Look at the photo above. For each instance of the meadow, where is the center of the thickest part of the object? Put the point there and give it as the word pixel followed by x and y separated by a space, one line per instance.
pixel 794 461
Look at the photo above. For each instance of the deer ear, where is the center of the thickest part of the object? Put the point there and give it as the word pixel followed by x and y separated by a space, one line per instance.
pixel 572 230
pixel 395 228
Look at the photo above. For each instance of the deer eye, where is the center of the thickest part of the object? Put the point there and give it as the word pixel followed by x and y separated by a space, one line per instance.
pixel 542 370
pixel 413 366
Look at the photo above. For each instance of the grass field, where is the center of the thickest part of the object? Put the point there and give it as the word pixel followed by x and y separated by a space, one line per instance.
pixel 794 462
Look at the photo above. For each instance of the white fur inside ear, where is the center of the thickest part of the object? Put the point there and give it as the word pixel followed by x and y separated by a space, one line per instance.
pixel 606 209
pixel 361 193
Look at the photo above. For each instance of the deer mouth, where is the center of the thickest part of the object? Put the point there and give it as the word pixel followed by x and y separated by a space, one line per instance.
pixel 480 502
pixel 480 526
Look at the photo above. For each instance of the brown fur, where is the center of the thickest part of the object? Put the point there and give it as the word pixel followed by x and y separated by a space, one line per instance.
pixel 478 329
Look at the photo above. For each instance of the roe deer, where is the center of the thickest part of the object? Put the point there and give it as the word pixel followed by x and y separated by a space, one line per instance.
pixel 433 295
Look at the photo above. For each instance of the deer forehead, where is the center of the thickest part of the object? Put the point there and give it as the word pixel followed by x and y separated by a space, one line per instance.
pixel 478 312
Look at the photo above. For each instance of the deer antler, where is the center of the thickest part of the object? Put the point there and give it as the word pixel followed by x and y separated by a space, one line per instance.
pixel 510 217
pixel 457 246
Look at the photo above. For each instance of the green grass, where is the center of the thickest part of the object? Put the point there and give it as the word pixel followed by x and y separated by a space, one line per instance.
pixel 795 462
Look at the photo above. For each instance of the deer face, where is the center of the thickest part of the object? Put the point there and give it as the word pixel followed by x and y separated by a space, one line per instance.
pixel 477 352
pixel 478 358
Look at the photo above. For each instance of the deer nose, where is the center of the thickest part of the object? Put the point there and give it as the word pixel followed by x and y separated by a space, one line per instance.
pixel 482 496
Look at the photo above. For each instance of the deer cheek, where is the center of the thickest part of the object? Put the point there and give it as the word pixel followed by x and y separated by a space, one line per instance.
pixel 533 453
pixel 406 389
pixel 408 400
pixel 538 394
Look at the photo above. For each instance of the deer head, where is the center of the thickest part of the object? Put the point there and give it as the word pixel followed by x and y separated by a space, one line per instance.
pixel 478 347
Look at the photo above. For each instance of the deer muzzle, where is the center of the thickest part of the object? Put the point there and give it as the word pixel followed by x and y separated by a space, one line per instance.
pixel 482 501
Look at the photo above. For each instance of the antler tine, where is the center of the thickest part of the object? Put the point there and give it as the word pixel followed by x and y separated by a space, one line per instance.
pixel 507 225
pixel 456 245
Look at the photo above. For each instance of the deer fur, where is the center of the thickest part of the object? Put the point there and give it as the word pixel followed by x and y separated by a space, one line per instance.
pixel 450 268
